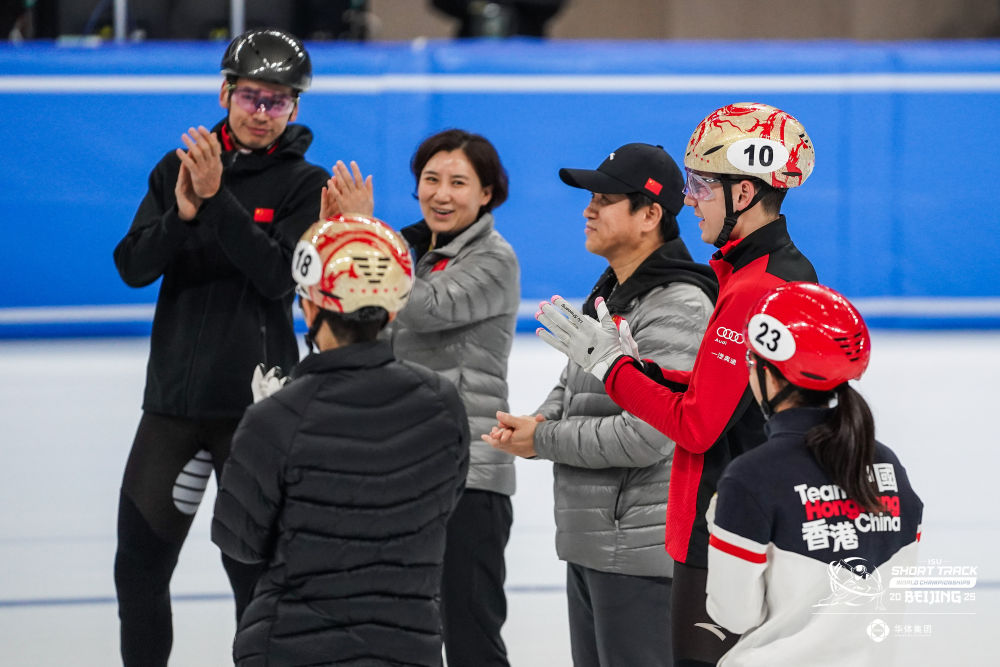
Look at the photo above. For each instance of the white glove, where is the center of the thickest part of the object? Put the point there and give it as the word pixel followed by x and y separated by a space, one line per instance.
pixel 264 384
pixel 629 347
pixel 593 344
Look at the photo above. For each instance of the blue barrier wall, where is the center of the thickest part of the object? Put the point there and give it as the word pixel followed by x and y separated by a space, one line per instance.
pixel 898 213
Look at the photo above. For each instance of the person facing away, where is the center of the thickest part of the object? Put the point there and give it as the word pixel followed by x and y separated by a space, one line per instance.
pixel 612 470
pixel 341 482
pixel 217 225
pixel 460 322
pixel 741 161
pixel 806 528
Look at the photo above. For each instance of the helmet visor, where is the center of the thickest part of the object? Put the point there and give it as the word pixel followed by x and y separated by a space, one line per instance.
pixel 699 187
pixel 252 100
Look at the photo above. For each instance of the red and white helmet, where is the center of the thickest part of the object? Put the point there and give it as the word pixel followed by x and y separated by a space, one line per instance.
pixel 812 334
pixel 753 140
pixel 349 261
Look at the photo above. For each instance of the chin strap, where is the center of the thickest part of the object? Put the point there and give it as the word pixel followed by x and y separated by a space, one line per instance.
pixel 310 335
pixel 767 405
pixel 731 215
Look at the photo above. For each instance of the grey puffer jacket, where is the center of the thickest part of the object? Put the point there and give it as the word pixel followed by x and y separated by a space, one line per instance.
pixel 460 322
pixel 611 469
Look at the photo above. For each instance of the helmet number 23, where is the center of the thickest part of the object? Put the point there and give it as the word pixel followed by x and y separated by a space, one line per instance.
pixel 771 344
pixel 771 339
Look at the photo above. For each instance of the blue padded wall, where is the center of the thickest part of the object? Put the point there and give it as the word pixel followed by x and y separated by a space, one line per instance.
pixel 898 211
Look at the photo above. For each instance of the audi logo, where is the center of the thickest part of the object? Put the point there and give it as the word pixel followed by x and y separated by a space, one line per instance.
pixel 729 334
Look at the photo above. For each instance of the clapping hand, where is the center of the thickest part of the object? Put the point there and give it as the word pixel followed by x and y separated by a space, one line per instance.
pixel 514 435
pixel 200 175
pixel 593 344
pixel 347 192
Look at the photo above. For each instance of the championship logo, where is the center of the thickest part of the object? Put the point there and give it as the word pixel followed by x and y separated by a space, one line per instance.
pixel 854 583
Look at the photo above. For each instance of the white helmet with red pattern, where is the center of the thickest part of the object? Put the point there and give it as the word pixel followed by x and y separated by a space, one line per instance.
pixel 752 140
pixel 350 261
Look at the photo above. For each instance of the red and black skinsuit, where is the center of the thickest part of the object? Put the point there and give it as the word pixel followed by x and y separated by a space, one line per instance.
pixel 709 411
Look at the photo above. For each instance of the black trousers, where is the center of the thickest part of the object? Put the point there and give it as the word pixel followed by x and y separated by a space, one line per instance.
pixel 166 473
pixel 473 603
pixel 618 620
pixel 698 640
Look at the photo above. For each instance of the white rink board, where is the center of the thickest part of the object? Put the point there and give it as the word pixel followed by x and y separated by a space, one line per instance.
pixel 69 410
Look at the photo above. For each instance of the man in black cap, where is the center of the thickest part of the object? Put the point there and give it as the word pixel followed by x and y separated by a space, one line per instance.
pixel 611 469
pixel 218 225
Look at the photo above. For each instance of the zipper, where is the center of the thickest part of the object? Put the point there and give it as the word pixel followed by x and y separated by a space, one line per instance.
pixel 263 334
pixel 618 499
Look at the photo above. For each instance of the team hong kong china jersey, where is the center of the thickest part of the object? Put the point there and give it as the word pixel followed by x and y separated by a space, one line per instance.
pixel 795 565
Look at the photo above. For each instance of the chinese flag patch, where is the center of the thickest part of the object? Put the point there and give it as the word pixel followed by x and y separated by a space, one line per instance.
pixel 653 186
pixel 263 215
pixel 441 263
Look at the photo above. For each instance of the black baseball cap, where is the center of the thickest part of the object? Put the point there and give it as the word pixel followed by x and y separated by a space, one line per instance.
pixel 634 168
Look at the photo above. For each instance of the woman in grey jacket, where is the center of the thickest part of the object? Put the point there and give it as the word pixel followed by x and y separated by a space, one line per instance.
pixel 460 322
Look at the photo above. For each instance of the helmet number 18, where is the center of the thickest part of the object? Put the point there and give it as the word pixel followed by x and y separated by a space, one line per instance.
pixel 306 268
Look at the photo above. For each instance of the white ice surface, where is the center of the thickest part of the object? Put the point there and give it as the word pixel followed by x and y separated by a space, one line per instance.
pixel 68 411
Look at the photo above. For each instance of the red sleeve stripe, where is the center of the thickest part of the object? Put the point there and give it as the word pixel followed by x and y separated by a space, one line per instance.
pixel 739 552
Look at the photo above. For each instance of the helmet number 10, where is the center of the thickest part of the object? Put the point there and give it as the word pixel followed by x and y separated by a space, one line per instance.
pixel 756 155
pixel 766 155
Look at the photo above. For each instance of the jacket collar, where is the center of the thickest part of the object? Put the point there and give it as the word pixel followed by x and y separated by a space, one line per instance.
pixel 759 243
pixel 669 263
pixel 358 355
pixel 795 421
pixel 294 141
pixel 418 235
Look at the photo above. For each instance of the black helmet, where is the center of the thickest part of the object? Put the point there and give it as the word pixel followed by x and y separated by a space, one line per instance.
pixel 269 55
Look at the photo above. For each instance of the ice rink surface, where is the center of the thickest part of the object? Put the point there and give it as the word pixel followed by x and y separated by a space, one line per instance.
pixel 69 410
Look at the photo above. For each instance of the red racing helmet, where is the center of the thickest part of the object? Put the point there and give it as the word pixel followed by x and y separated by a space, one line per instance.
pixel 812 334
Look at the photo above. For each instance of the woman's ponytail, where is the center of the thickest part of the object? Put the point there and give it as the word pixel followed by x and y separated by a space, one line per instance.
pixel 844 445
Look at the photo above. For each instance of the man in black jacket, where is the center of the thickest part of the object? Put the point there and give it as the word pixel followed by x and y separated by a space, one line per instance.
pixel 342 482
pixel 218 225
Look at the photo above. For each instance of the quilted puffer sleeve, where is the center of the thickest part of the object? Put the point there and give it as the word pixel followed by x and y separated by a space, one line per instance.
pixel 667 324
pixel 475 286
pixel 249 501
